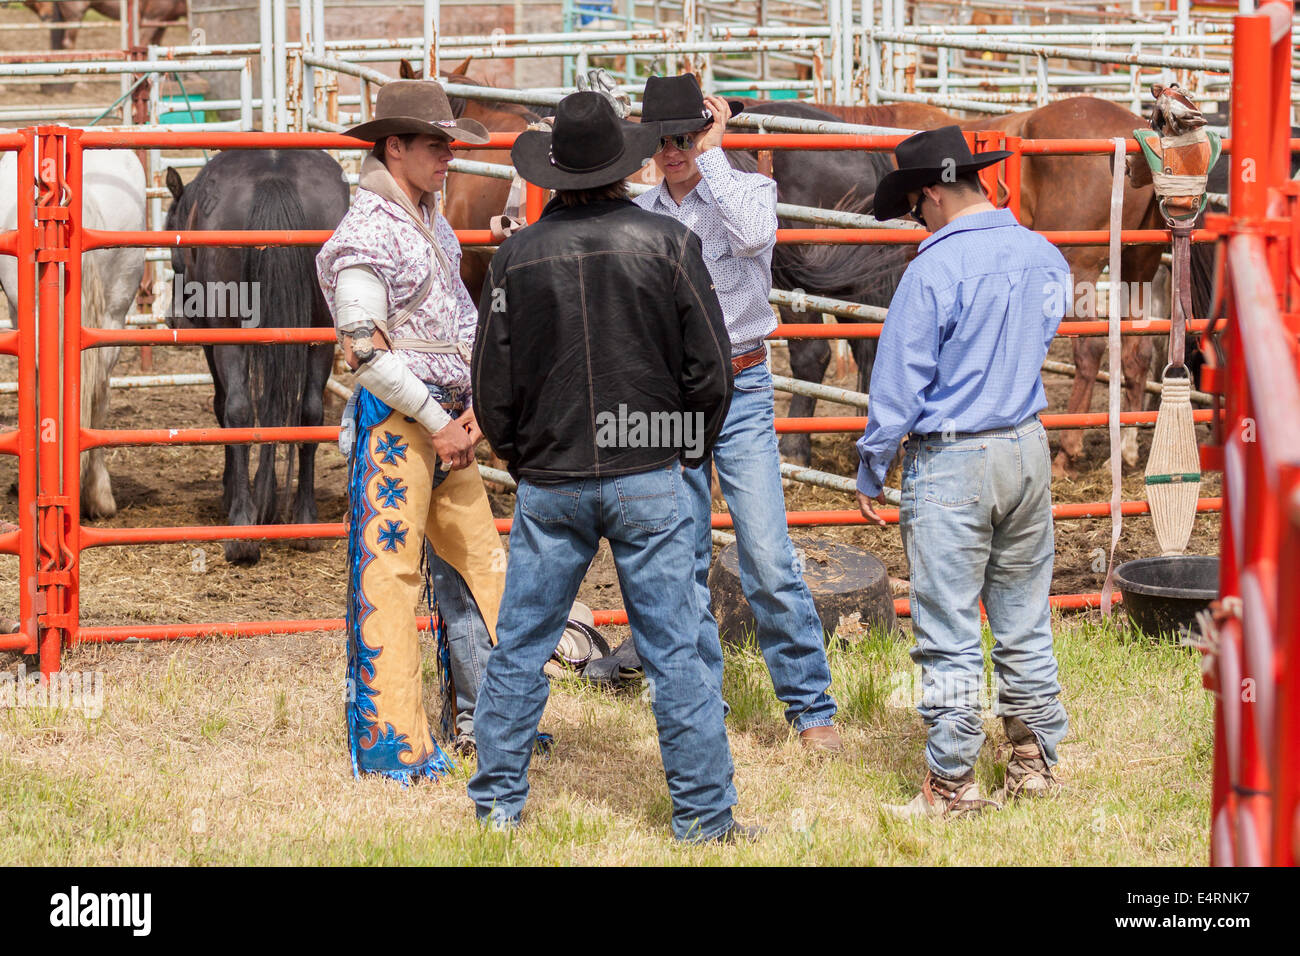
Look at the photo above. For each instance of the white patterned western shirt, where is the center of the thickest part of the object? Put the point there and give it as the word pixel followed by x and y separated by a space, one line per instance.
pixel 734 214
pixel 376 232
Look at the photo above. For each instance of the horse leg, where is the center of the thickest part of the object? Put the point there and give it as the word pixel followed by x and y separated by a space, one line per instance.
pixel 96 487
pixel 1087 363
pixel 219 409
pixel 808 361
pixel 319 363
pixel 231 364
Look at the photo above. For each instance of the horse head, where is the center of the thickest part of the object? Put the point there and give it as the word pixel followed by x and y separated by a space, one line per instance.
pixel 179 215
pixel 406 71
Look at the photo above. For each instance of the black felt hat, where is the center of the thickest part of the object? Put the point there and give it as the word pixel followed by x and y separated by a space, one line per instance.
pixel 676 104
pixel 926 159
pixel 589 147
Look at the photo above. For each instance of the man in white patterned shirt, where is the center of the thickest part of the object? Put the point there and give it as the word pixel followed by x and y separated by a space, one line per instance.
pixel 390 275
pixel 734 214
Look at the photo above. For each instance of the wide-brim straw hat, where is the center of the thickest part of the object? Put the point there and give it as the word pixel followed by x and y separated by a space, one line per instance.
pixel 417 106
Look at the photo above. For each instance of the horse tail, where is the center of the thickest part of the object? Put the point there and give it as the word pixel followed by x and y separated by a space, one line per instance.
pixel 864 273
pixel 281 280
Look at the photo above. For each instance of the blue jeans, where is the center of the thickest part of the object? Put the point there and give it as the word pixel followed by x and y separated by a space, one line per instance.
pixel 789 629
pixel 557 528
pixel 976 521
pixel 467 635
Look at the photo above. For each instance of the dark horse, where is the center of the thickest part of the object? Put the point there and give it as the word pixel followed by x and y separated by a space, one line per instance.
pixel 840 179
pixel 1057 193
pixel 266 385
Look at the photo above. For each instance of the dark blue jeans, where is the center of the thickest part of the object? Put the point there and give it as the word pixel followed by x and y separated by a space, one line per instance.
pixel 647 520
pixel 789 629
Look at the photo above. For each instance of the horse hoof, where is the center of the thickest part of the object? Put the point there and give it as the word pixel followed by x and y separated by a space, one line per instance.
pixel 308 544
pixel 104 507
pixel 1062 468
pixel 243 552
pixel 796 452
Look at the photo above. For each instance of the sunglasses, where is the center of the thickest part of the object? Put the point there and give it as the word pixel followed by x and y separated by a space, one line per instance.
pixel 684 142
pixel 916 210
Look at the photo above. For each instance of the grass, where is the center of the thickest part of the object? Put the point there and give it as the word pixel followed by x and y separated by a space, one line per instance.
pixel 233 752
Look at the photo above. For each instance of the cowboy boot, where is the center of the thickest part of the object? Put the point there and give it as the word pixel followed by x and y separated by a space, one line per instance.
pixel 1027 772
pixel 945 798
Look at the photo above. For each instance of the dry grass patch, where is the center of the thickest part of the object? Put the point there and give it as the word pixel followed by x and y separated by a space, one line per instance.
pixel 233 751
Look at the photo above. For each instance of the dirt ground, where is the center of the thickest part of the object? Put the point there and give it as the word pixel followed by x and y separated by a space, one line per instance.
pixel 189 583
pixel 186 583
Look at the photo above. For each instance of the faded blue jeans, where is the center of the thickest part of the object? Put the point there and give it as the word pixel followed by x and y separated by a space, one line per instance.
pixel 976 521
pixel 789 629
pixel 557 527
pixel 467 635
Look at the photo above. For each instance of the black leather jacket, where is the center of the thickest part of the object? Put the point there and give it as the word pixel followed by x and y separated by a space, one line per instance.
pixel 594 322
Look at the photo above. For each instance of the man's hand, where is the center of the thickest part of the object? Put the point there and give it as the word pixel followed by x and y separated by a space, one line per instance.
pixel 868 512
pixel 452 444
pixel 721 113
pixel 469 422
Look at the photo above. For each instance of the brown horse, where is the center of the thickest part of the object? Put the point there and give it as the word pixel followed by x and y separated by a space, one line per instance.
pixel 469 201
pixel 71 11
pixel 1060 193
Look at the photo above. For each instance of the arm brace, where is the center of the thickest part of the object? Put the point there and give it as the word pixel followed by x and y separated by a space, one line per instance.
pixel 362 303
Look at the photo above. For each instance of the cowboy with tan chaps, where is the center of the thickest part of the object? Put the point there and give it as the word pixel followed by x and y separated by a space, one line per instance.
pixel 390 274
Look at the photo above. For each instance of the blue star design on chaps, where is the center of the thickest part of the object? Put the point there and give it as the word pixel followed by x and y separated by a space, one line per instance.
pixel 392 534
pixel 390 491
pixel 390 448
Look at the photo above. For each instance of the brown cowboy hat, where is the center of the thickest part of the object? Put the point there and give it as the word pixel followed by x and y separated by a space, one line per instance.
pixel 417 106
pixel 926 159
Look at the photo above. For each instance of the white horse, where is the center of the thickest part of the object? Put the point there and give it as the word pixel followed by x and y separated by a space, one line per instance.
pixel 113 197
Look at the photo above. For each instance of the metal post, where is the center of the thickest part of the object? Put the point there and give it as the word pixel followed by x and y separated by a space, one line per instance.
pixel 281 65
pixel 246 96
pixel 51 252
pixel 307 97
pixel 534 202
pixel 72 384
pixel 836 49
pixel 429 53
pixel 26 323
pixel 265 57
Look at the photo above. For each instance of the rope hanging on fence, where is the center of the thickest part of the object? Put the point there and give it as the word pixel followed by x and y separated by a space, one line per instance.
pixel 1116 366
pixel 1180 152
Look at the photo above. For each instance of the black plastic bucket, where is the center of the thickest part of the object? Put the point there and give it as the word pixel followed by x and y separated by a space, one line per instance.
pixel 1164 595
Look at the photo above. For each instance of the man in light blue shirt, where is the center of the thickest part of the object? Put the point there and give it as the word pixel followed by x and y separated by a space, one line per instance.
pixel 957 374
pixel 734 214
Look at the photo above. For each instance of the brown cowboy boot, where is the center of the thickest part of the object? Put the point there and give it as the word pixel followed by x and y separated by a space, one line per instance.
pixel 944 797
pixel 1027 772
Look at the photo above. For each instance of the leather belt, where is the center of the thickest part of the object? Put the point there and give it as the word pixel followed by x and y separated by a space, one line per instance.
pixel 748 359
pixel 963 436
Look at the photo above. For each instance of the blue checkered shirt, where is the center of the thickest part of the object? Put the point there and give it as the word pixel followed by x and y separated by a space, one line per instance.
pixel 734 214
pixel 962 348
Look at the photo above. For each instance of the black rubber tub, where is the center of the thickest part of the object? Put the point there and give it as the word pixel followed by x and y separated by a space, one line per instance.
pixel 1162 596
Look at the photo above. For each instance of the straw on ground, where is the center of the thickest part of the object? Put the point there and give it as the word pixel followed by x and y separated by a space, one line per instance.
pixel 233 751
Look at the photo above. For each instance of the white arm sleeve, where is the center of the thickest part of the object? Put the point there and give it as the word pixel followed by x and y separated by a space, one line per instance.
pixel 362 300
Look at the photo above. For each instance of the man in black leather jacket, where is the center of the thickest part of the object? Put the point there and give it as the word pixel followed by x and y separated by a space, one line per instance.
pixel 601 367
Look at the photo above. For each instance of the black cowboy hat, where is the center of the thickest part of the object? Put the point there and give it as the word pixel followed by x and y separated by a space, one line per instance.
pixel 590 146
pixel 676 104
pixel 928 158
pixel 417 106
